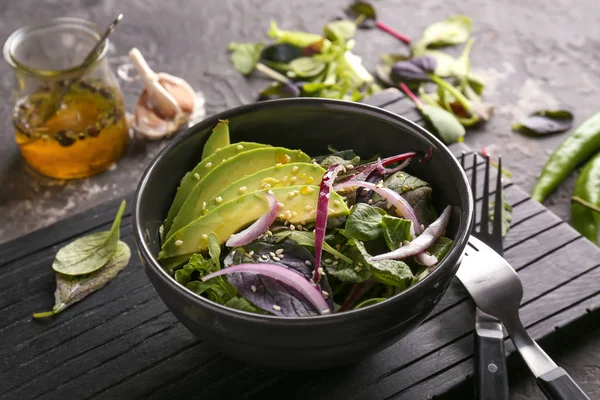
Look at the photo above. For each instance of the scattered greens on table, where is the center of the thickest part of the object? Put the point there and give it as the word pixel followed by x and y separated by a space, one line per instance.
pixel 293 236
pixel 87 264
pixel 323 65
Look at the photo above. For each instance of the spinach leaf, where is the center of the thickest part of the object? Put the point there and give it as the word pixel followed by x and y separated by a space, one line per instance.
pixel 357 271
pixel 444 62
pixel 240 303
pixel 453 30
pixel 300 39
pixel 219 291
pixel 184 275
pixel 307 239
pixel 545 122
pixel 91 252
pixel 392 272
pixel 335 159
pixel 462 66
pixel 440 248
pixel 395 231
pixel 340 30
pixel 245 56
pixel 364 222
pixel 369 302
pixel 71 289
pixel 445 125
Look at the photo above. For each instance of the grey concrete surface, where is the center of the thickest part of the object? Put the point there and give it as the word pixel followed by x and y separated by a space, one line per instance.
pixel 532 54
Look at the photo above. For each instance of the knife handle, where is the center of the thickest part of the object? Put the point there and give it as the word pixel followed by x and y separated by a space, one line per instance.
pixel 492 375
pixel 558 385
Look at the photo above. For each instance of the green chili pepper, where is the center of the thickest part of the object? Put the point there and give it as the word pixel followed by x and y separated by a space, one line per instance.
pixel 583 219
pixel 577 148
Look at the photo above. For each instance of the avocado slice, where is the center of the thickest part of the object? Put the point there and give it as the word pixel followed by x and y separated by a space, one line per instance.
pixel 227 172
pixel 190 179
pixel 218 139
pixel 276 176
pixel 299 205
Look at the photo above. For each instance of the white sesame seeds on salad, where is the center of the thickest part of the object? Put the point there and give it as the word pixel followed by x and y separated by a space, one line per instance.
pixel 295 169
pixel 278 165
pixel 325 294
pixel 303 175
pixel 208 165
pixel 370 201
pixel 280 205
pixel 350 166
pixel 321 271
pixel 253 288
pixel 251 253
pixel 204 205
pixel 308 262
pixel 292 227
pixel 204 236
pixel 219 199
pixel 336 202
pixel 243 189
pixel 287 158
pixel 279 251
pixel 239 147
pixel 270 192
pixel 178 242
pixel 276 307
pixel 293 179
pixel 196 176
pixel 308 207
pixel 276 258
pixel 291 195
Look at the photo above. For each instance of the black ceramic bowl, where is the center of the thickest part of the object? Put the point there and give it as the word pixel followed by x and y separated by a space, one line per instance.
pixel 308 124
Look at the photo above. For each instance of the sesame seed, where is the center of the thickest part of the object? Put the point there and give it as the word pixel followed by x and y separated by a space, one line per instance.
pixel 276 258
pixel 291 195
pixel 251 253
pixel 294 214
pixel 379 186
pixel 360 264
pixel 278 251
pixel 253 288
pixel 313 212
pixel 406 243
pixel 280 205
pixel 331 210
pixel 281 216
pixel 370 201
pixel 267 186
pixel 308 262
pixel 208 165
pixel 276 307
pixel 285 178
pixel 308 207
pixel 310 180
pixel 350 166
pixel 278 165
pixel 204 236
pixel 325 294
pixel 270 192
pixel 288 158
pixel 422 227
pixel 204 205
pixel 239 147
pixel 197 176
pixel 269 233
pixel 295 169
pixel 357 269
pixel 315 164
pixel 219 199
pixel 178 243
pixel 223 160
pixel 243 189
pixel 337 202
pixel 327 260
pixel 272 254
pixel 335 263
pixel 292 227
pixel 218 148
pixel 303 175
pixel 264 257
pixel 321 272
pixel 293 179
pixel 285 222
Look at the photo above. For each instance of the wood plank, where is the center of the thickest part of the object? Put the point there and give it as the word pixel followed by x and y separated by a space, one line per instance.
pixel 385 97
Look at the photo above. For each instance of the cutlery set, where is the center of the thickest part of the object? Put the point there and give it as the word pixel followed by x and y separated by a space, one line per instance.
pixel 497 291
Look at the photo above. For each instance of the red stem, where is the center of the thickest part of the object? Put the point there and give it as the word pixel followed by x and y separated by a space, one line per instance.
pixel 356 293
pixel 393 32
pixel 411 95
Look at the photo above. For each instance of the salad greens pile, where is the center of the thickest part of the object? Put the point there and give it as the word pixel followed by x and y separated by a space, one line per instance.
pixel 291 236
pixel 323 65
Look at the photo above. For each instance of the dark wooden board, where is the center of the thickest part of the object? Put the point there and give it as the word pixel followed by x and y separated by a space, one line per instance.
pixel 123 343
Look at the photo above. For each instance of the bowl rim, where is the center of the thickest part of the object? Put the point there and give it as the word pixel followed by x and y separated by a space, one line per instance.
pixel 453 257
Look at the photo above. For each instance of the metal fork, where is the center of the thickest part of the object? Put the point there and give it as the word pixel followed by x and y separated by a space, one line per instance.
pixel 496 289
pixel 491 375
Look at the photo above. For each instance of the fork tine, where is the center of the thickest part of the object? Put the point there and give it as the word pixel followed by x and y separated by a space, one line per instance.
pixel 462 160
pixel 498 203
pixel 485 205
pixel 474 178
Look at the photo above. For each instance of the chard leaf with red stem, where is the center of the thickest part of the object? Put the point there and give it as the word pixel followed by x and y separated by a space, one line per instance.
pixel 367 17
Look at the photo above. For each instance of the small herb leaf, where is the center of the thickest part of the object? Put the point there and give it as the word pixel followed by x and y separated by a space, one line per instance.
pixel 364 9
pixel 416 69
pixel 447 127
pixel 453 30
pixel 364 222
pixel 245 56
pixel 71 289
pixel 340 30
pixel 307 67
pixel 545 122
pixel 395 231
pixel 281 53
pixel 89 253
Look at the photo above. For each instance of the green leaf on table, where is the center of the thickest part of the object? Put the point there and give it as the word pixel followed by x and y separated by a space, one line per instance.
pixel 445 125
pixel 301 39
pixel 71 289
pixel 453 30
pixel 245 56
pixel 364 222
pixel 364 11
pixel 395 231
pixel 413 70
pixel 307 67
pixel 462 66
pixel 91 252
pixel 545 122
pixel 340 30
pixel 350 65
pixel 444 61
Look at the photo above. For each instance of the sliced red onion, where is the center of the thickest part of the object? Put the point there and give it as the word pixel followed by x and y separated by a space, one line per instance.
pixel 428 260
pixel 422 242
pixel 385 171
pixel 259 227
pixel 322 209
pixel 361 172
pixel 283 275
pixel 402 206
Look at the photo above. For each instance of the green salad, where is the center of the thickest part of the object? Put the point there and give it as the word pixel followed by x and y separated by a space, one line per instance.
pixel 271 230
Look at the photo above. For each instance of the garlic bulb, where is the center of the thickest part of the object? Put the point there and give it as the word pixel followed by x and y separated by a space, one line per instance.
pixel 165 104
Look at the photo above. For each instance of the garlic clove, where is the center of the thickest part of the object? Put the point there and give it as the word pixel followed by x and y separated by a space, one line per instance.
pixel 164 105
